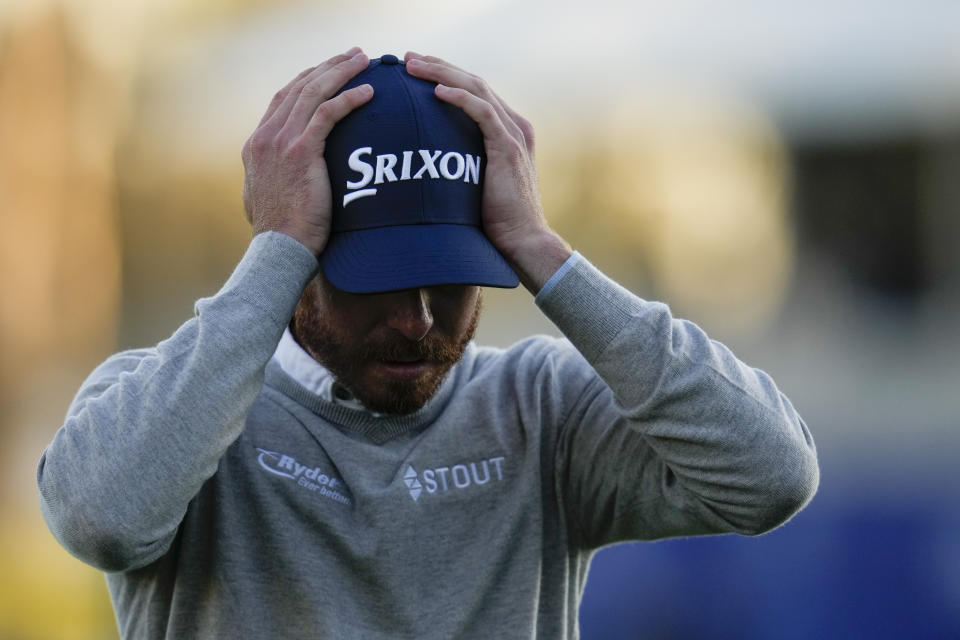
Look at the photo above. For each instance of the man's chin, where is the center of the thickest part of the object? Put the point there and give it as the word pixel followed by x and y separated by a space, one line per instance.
pixel 400 392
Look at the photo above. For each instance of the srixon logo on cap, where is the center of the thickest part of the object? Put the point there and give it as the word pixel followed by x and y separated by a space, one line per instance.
pixel 414 165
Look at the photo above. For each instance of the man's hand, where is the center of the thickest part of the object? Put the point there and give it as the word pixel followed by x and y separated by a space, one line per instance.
pixel 513 219
pixel 287 187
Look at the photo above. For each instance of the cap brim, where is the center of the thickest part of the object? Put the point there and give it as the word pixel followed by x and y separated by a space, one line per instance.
pixel 410 256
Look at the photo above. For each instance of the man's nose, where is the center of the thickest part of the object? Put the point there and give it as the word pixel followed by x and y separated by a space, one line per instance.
pixel 410 314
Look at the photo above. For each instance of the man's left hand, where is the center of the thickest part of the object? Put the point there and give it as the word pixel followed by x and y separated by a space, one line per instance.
pixel 513 218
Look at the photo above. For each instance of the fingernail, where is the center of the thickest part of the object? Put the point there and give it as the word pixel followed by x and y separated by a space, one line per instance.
pixel 357 56
pixel 351 51
pixel 414 62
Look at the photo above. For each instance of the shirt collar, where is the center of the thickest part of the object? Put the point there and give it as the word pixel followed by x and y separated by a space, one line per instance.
pixel 300 365
pixel 311 375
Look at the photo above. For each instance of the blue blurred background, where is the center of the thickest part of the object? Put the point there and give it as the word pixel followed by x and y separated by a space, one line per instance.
pixel 785 174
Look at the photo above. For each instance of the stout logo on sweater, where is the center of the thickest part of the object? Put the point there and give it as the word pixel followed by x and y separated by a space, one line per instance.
pixel 310 478
pixel 456 477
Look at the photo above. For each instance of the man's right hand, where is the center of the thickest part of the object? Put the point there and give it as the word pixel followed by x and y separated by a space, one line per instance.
pixel 287 188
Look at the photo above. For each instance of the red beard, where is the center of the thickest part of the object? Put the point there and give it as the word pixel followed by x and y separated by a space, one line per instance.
pixel 355 366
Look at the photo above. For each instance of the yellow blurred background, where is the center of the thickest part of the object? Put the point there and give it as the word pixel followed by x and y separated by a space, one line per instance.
pixel 670 145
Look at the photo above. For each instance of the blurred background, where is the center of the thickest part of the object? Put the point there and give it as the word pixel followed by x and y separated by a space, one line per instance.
pixel 785 174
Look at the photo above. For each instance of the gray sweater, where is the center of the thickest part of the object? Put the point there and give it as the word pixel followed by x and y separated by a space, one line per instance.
pixel 223 499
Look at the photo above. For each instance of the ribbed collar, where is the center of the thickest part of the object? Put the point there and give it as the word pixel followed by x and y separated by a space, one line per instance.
pixel 294 373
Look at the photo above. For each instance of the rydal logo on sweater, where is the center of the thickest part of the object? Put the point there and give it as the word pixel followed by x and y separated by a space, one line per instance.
pixel 310 478
pixel 453 478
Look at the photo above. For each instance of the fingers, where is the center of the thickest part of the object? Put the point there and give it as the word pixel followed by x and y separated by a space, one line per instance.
pixel 293 107
pixel 280 95
pixel 526 128
pixel 317 89
pixel 442 72
pixel 413 55
pixel 284 101
pixel 484 114
pixel 332 111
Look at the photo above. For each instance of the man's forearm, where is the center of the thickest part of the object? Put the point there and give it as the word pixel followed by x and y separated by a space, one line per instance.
pixel 149 427
pixel 731 453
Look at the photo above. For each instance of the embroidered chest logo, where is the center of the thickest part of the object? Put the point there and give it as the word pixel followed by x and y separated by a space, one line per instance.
pixel 458 477
pixel 309 478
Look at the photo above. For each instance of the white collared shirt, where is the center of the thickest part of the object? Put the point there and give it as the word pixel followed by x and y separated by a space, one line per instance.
pixel 311 375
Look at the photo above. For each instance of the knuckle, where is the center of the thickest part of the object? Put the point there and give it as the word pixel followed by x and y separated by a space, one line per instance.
pixel 528 135
pixel 526 126
pixel 489 111
pixel 311 90
pixel 326 111
pixel 346 102
pixel 516 149
pixel 344 64
pixel 259 142
pixel 478 87
pixel 298 148
pixel 285 142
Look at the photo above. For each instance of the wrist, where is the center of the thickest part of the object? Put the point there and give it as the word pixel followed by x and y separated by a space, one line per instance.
pixel 536 256
pixel 314 242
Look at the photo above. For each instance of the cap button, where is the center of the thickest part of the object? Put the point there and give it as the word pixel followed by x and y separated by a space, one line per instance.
pixel 389 59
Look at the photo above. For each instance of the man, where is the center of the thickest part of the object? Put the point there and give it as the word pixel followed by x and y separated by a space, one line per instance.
pixel 370 473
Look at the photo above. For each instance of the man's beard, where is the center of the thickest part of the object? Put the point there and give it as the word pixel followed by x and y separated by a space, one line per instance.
pixel 348 363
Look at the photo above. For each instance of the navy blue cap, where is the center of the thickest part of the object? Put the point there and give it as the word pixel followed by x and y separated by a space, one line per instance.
pixel 406 170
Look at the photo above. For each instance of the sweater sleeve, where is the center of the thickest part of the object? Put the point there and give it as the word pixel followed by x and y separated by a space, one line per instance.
pixel 672 435
pixel 148 427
